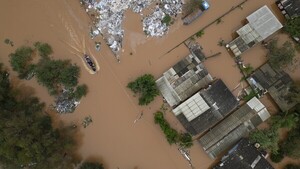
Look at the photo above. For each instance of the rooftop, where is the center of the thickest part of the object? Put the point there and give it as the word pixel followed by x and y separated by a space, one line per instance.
pixel 261 24
pixel 289 8
pixel 276 82
pixel 206 108
pixel 234 127
pixel 244 155
pixel 183 80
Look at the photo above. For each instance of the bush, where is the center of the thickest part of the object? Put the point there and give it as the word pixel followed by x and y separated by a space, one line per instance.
pixel 277 157
pixel 145 86
pixel 293 27
pixel 292 166
pixel 184 139
pixel 267 138
pixel 200 33
pixel 167 20
pixel 291 146
pixel 90 165
pixel 80 91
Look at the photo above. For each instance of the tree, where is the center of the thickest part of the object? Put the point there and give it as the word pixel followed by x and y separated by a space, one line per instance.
pixel 292 166
pixel 80 91
pixel 54 73
pixel 280 57
pixel 146 87
pixel 277 157
pixel 167 20
pixel 20 61
pixel 291 145
pixel 294 93
pixel 27 138
pixel 286 120
pixel 293 27
pixel 90 165
pixel 267 138
pixel 185 140
pixel 44 49
pixel 200 33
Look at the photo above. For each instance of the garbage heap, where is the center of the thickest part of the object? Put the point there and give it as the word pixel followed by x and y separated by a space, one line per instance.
pixel 110 14
pixel 153 24
pixel 65 102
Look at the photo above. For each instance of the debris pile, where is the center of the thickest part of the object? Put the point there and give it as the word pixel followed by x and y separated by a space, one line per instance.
pixel 65 103
pixel 153 24
pixel 86 121
pixel 138 5
pixel 110 14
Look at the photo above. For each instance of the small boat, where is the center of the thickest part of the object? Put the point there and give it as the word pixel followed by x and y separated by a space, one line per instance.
pixel 90 62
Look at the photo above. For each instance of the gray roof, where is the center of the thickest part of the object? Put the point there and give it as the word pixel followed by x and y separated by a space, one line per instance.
pixel 244 155
pixel 234 127
pixel 290 7
pixel 220 102
pixel 276 82
pixel 183 80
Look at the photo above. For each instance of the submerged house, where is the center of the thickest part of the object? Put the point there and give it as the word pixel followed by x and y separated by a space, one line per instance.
pixel 289 8
pixel 234 127
pixel 261 24
pixel 244 155
pixel 275 82
pixel 205 108
pixel 183 80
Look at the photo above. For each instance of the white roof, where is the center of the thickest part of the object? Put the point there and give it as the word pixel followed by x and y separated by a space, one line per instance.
pixel 264 22
pixel 256 105
pixel 192 108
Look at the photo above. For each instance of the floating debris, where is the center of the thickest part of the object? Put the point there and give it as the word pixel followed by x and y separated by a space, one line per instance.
pixel 86 121
pixel 65 103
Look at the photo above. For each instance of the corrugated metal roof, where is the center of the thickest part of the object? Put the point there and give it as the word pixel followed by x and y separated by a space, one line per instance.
pixel 264 22
pixel 192 108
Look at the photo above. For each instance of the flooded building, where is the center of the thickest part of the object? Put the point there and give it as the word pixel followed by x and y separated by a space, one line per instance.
pixel 234 127
pixel 275 82
pixel 205 108
pixel 261 24
pixel 244 155
pixel 289 8
pixel 183 80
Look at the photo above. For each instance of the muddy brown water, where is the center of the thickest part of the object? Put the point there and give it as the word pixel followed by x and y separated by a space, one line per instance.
pixel 113 137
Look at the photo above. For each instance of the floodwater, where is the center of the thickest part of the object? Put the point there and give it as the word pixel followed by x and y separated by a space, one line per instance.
pixel 113 137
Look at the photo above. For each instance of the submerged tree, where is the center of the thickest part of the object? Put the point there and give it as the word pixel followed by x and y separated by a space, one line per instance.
pixel 21 62
pixel 145 86
pixel 91 165
pixel 280 57
pixel 27 138
pixel 44 49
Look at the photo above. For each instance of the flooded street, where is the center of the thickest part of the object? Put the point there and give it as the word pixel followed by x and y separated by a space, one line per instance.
pixel 113 138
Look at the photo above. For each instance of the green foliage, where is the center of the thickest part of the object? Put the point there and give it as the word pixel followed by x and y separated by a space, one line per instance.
pixel 27 138
pixel 291 146
pixel 277 157
pixel 90 165
pixel 292 166
pixel 52 73
pixel 293 27
pixel 287 120
pixel 44 49
pixel 280 57
pixel 250 95
pixel 248 69
pixel 200 33
pixel 80 91
pixel 267 138
pixel 167 20
pixel 146 87
pixel 293 94
pixel 20 61
pixel 184 139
